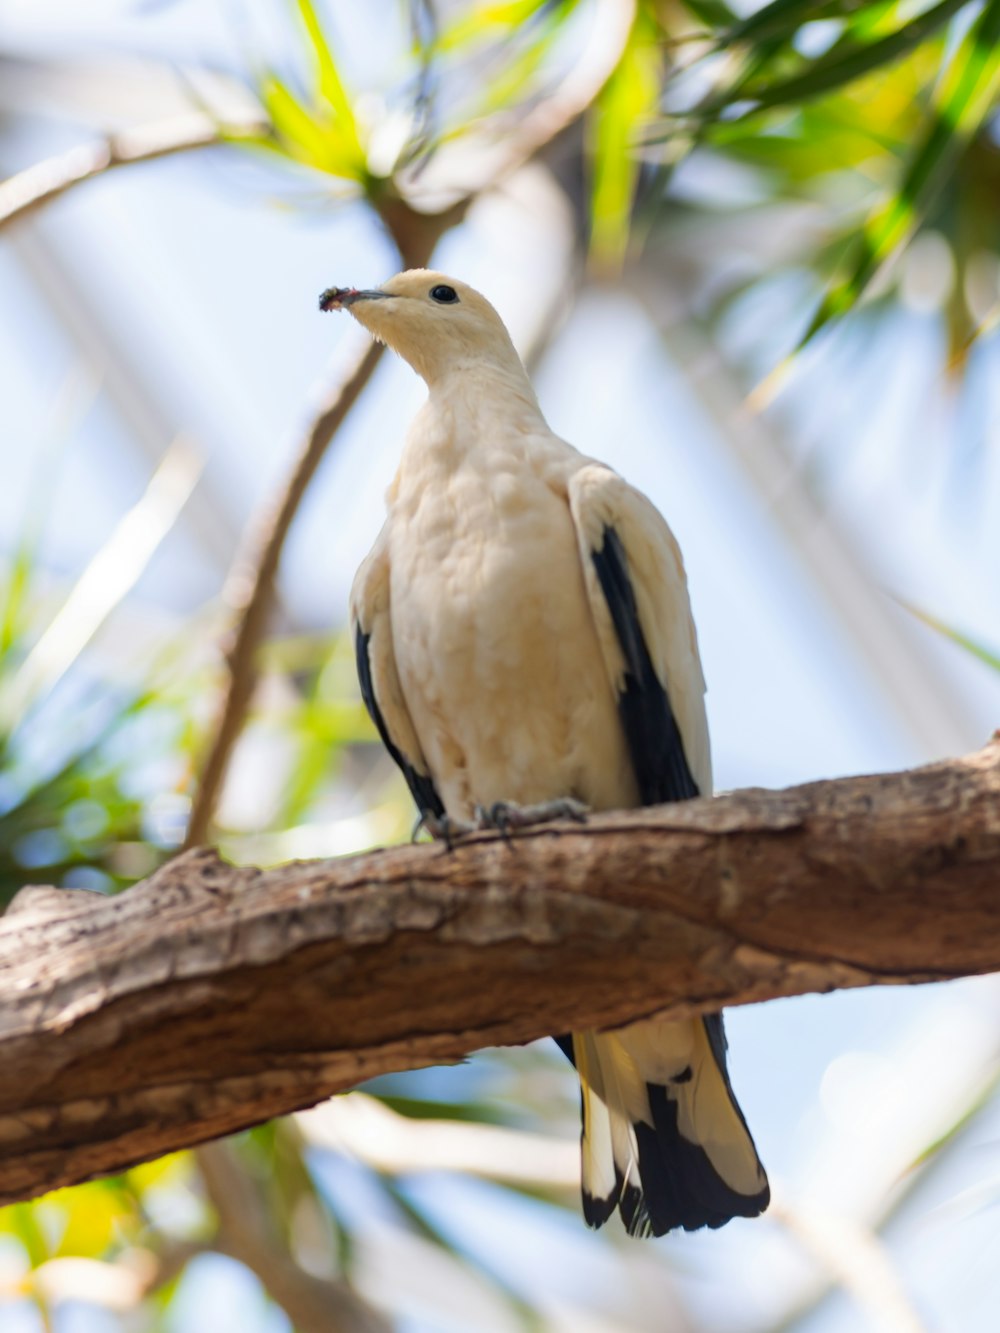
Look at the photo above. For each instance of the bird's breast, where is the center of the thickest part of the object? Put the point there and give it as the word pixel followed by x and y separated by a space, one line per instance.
pixel 496 649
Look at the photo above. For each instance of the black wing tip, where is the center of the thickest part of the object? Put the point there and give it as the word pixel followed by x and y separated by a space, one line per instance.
pixel 745 1206
pixel 688 1209
pixel 624 1196
pixel 654 740
pixel 421 785
pixel 565 1044
pixel 682 1188
pixel 634 1213
pixel 642 1223
pixel 596 1210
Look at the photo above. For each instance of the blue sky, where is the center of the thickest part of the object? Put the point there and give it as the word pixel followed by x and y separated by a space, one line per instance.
pixel 202 273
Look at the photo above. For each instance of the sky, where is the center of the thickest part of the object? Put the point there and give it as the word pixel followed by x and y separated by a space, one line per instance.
pixel 199 277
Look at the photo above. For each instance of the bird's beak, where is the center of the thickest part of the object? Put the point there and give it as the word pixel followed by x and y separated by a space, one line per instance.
pixel 336 298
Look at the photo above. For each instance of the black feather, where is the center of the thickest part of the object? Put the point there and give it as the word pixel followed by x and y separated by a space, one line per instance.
pixel 596 1211
pixel 654 739
pixel 679 1185
pixel 565 1044
pixel 632 1206
pixel 421 785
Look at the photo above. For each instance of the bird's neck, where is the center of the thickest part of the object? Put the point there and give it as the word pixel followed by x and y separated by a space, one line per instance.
pixel 472 394
pixel 470 414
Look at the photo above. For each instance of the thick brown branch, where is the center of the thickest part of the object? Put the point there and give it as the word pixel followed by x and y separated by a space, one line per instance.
pixel 208 997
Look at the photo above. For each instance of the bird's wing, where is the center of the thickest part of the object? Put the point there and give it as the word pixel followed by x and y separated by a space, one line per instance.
pixel 663 1135
pixel 638 596
pixel 381 690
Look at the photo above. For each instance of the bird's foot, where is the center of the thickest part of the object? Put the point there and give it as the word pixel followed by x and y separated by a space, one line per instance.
pixel 444 828
pixel 505 816
pixel 502 817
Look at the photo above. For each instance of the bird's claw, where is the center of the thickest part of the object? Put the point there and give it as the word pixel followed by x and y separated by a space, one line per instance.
pixel 494 818
pixel 505 816
pixel 501 817
pixel 443 827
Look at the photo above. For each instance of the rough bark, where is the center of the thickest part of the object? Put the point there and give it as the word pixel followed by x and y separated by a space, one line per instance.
pixel 209 998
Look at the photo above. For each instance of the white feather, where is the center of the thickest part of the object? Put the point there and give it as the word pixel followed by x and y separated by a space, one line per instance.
pixel 498 666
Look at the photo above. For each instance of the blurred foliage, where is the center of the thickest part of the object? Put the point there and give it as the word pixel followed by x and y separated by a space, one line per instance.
pixel 95 777
pixel 864 111
pixel 101 1243
pixel 78 807
pixel 867 110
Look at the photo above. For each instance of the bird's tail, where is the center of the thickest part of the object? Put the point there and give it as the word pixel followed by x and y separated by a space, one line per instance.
pixel 663 1137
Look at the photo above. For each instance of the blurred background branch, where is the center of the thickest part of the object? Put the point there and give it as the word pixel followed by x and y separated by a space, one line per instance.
pixel 249 591
pixel 35 186
pixel 671 204
pixel 246 1233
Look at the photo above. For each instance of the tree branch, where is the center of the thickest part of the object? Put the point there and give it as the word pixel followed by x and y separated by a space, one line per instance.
pixel 250 587
pixel 209 998
pixel 31 189
pixel 415 234
pixel 246 1232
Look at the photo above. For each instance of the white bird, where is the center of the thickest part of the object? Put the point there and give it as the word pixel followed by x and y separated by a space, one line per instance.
pixel 524 637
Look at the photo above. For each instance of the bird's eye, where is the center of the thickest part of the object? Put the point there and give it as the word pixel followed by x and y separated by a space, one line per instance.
pixel 444 295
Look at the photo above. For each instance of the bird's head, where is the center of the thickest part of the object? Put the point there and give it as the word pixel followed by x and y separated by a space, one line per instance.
pixel 434 322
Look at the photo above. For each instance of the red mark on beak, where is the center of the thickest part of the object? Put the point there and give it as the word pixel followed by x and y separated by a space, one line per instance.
pixel 335 298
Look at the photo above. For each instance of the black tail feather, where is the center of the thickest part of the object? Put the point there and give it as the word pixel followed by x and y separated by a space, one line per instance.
pixel 681 1186
pixel 596 1211
pixel 674 1183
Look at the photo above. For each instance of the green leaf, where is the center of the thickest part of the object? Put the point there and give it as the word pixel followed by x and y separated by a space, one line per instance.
pixel 484 23
pixel 72 402
pixel 755 63
pixel 176 1168
pixel 713 13
pixel 783 18
pixel 790 155
pixel 22 1220
pixel 516 77
pixel 109 577
pixel 522 50
pixel 307 138
pixel 18 585
pixel 624 105
pixel 988 656
pixel 331 87
pixel 94 1216
pixel 426 1108
pixel 966 96
pixel 839 66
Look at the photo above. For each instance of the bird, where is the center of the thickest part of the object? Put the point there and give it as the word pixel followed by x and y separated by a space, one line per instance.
pixel 525 648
